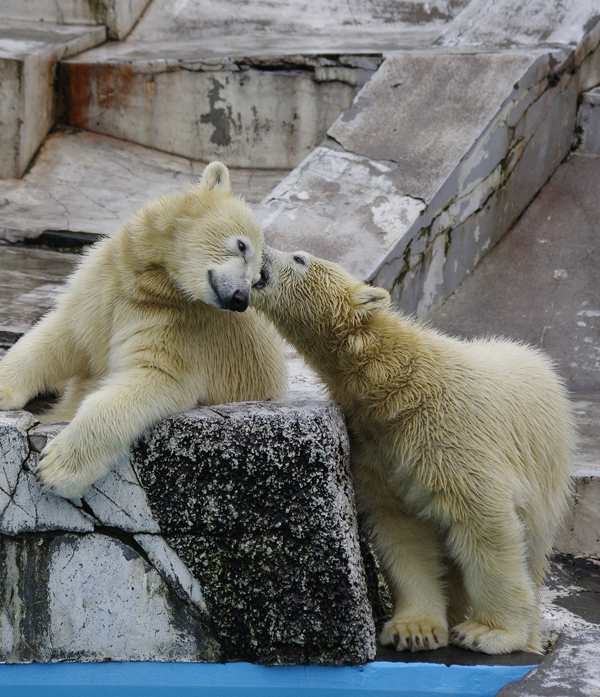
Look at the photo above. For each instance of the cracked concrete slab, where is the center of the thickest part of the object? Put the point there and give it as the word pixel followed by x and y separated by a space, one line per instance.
pixel 322 204
pixel 119 501
pixel 425 112
pixel 33 510
pixel 24 506
pixel 14 450
pixel 407 230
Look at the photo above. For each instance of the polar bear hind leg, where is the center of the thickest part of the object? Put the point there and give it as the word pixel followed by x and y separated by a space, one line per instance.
pixel 492 555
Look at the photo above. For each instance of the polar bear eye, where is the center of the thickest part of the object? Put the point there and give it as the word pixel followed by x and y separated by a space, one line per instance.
pixel 241 247
pixel 300 260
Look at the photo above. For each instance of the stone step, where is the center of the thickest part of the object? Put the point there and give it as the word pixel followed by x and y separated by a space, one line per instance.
pixel 249 111
pixel 28 56
pixel 237 81
pixel 226 27
pixel 86 184
pixel 118 16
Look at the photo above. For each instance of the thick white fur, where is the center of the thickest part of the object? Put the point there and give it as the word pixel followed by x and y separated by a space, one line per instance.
pixel 461 455
pixel 139 334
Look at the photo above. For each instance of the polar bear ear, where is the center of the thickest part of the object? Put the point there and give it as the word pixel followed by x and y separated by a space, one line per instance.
pixel 216 177
pixel 369 299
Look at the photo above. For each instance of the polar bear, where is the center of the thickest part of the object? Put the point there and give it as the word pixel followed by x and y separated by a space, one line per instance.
pixel 142 331
pixel 460 454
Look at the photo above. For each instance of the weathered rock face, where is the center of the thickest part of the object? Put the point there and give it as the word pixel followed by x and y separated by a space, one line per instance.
pixel 241 543
pixel 258 503
pixel 94 597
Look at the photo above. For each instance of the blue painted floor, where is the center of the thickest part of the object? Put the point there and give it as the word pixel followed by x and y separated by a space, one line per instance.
pixel 247 680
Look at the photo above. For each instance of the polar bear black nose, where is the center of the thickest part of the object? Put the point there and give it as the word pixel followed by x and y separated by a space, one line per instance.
pixel 239 301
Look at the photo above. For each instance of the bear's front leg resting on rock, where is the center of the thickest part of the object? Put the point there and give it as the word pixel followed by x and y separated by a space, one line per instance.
pixel 411 560
pixel 105 426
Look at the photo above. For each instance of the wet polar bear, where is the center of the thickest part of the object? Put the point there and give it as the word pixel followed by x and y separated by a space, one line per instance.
pixel 141 332
pixel 460 454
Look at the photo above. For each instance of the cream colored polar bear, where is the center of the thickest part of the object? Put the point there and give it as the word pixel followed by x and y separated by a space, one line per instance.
pixel 460 454
pixel 141 332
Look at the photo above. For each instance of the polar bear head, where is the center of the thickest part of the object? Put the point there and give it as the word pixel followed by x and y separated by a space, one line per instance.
pixel 214 241
pixel 314 303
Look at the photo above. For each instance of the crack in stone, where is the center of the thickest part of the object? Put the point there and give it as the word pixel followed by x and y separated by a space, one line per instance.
pixel 22 471
pixel 115 504
pixel 65 214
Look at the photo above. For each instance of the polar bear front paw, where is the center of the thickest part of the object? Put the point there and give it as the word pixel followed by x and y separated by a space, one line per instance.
pixel 476 636
pixel 61 469
pixel 423 635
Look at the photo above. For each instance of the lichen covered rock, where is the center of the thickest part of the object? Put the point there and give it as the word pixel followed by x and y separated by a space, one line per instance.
pixel 257 500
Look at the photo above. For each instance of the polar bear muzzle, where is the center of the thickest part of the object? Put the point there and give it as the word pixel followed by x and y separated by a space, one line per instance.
pixel 235 299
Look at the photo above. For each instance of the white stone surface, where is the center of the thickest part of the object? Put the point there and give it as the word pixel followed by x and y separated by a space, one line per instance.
pixel 340 206
pixel 512 23
pixel 426 110
pixel 115 608
pixel 14 450
pixel 33 510
pixel 119 501
pixel 26 507
pixel 82 182
pixel 28 54
pixel 118 15
pixel 288 26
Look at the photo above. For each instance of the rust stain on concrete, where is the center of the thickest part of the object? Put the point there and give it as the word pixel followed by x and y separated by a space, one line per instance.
pixel 85 88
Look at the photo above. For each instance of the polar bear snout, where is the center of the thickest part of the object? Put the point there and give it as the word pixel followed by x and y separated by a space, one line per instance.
pixel 239 301
pixel 229 295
